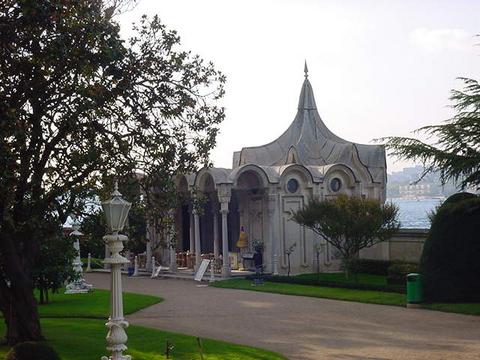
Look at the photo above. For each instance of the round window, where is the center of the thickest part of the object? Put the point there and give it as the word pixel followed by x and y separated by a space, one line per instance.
pixel 335 184
pixel 292 185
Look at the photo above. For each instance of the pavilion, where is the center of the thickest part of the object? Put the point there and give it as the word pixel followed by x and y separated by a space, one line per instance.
pixel 267 182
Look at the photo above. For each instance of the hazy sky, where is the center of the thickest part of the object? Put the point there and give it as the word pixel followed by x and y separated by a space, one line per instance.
pixel 377 68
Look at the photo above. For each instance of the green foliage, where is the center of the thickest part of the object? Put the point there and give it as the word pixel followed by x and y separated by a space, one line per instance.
pixel 449 263
pixel 338 280
pixel 349 223
pixel 25 350
pixel 456 151
pixel 398 270
pixel 54 264
pixel 93 226
pixel 458 197
pixel 369 266
pixel 79 106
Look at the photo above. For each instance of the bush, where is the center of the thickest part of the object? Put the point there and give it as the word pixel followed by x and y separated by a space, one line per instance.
pixel 25 351
pixel 397 272
pixel 336 284
pixel 458 197
pixel 373 267
pixel 450 260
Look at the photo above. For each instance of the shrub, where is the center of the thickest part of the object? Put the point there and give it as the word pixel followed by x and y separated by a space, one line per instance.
pixel 398 270
pixel 373 267
pixel 336 284
pixel 458 197
pixel 450 260
pixel 25 350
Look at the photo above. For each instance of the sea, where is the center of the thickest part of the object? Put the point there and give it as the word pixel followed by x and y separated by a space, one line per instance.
pixel 413 213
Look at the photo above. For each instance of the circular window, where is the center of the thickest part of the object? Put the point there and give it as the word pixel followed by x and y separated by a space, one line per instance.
pixel 335 184
pixel 292 185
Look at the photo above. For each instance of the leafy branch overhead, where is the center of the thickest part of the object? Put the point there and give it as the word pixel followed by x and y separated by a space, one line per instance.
pixel 349 224
pixel 455 153
pixel 80 106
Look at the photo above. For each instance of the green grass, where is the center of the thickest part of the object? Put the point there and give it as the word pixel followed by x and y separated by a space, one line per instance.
pixel 364 296
pixel 94 264
pixel 461 308
pixel 92 305
pixel 80 339
pixel 367 279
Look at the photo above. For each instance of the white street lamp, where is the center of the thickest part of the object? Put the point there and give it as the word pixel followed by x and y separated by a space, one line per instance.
pixel 78 286
pixel 116 211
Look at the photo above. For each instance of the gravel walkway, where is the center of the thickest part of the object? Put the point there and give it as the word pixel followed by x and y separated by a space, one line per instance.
pixel 302 327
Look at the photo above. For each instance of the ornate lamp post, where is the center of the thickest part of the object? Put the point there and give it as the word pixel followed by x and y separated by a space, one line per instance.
pixel 78 286
pixel 116 211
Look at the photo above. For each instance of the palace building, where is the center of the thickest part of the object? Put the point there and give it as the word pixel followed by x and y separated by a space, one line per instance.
pixel 253 200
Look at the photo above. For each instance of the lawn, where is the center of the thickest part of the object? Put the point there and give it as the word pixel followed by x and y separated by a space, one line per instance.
pixel 367 279
pixel 460 308
pixel 364 296
pixel 337 293
pixel 92 305
pixel 80 339
pixel 75 326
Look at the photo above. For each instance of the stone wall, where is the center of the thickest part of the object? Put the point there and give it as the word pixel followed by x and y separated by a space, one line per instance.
pixel 406 245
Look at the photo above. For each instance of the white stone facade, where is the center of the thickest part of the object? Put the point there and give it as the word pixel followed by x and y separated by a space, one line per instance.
pixel 267 182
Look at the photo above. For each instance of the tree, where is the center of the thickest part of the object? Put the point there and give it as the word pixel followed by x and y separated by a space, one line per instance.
pixel 449 262
pixel 78 107
pixel 54 264
pixel 349 223
pixel 456 150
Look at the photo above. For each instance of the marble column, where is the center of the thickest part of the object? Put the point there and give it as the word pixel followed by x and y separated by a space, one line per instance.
pixel 107 255
pixel 148 246
pixel 271 207
pixel 224 195
pixel 226 259
pixel 216 239
pixel 192 233
pixel 198 248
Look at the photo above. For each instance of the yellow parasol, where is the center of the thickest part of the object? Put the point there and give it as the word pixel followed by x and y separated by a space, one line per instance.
pixel 242 239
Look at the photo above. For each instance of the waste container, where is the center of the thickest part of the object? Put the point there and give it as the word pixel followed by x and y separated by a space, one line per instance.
pixel 414 289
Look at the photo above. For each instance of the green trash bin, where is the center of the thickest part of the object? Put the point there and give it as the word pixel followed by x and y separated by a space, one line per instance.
pixel 414 289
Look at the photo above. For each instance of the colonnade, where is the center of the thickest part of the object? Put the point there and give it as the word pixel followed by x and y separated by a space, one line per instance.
pixel 224 196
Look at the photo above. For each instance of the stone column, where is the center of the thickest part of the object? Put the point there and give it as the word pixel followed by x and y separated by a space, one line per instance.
pixel 198 247
pixel 271 207
pixel 192 233
pixel 148 264
pixel 173 253
pixel 224 197
pixel 226 259
pixel 216 239
pixel 107 255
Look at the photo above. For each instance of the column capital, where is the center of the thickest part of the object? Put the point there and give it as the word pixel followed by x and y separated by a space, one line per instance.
pixel 215 208
pixel 224 193
pixel 224 207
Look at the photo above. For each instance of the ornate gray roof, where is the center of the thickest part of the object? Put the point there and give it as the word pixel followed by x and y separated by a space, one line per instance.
pixel 309 142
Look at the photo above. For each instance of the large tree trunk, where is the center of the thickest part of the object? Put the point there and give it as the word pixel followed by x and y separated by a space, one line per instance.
pixel 20 313
pixel 17 301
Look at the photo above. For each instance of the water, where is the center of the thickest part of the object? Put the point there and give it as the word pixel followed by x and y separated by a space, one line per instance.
pixel 413 213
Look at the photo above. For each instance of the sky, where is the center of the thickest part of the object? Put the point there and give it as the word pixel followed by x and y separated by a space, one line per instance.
pixel 377 68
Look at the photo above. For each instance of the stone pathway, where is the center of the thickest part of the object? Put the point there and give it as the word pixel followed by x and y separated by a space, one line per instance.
pixel 302 327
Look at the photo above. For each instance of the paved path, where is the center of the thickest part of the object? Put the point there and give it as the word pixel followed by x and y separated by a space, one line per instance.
pixel 302 327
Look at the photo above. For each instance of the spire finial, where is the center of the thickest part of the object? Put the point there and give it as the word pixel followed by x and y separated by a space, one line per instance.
pixel 306 69
pixel 115 191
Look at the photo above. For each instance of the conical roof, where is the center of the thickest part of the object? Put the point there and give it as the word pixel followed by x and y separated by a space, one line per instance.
pixel 309 142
